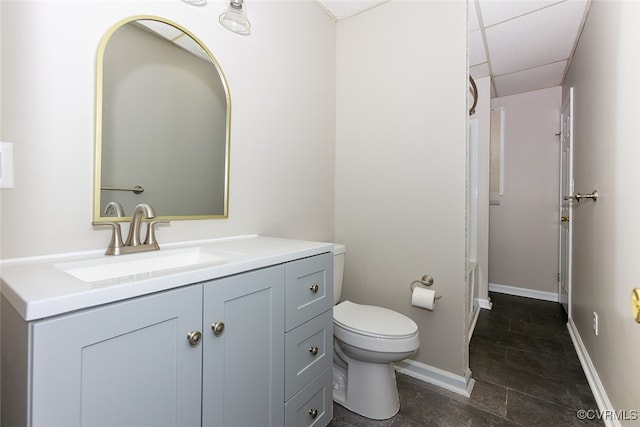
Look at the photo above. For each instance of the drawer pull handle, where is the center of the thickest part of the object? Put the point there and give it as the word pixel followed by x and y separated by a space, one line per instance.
pixel 194 338
pixel 217 328
pixel 313 413
pixel 313 350
pixel 314 288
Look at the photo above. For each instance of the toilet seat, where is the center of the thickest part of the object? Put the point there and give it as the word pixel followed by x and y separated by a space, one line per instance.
pixel 372 321
pixel 374 328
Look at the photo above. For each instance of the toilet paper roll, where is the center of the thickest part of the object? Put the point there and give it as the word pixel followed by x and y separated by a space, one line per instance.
pixel 422 297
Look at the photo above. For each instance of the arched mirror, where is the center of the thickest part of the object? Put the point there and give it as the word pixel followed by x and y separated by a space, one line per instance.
pixel 162 124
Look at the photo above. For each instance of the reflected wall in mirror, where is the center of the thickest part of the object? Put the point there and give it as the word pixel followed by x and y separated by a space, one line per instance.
pixel 163 115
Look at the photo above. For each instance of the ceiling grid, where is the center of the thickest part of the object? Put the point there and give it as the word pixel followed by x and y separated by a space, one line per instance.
pixel 524 45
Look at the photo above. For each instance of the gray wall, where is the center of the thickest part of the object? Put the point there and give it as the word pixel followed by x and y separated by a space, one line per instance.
pixel 523 237
pixel 604 73
pixel 400 165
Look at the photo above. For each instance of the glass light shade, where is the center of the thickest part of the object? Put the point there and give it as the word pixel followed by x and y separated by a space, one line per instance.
pixel 234 18
pixel 196 2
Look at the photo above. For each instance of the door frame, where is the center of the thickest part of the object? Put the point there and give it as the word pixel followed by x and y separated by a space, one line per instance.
pixel 565 217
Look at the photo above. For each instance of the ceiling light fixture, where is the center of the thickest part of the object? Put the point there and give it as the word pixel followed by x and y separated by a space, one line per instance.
pixel 234 18
pixel 196 2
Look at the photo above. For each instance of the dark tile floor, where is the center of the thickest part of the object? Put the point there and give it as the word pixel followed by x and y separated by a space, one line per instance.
pixel 526 370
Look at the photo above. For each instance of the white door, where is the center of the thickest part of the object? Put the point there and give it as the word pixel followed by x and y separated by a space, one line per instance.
pixel 566 190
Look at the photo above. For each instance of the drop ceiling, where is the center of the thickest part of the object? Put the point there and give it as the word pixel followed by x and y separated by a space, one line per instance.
pixel 340 10
pixel 524 45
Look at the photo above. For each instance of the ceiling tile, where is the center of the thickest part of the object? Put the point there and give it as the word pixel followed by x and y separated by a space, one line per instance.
pixel 541 37
pixel 169 32
pixel 343 9
pixel 476 48
pixel 192 46
pixel 494 11
pixel 533 79
pixel 173 34
pixel 479 71
pixel 472 16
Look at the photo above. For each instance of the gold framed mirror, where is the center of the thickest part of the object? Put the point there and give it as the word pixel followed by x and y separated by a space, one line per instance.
pixel 163 120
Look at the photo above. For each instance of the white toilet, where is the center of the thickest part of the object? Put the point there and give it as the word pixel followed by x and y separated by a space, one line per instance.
pixel 367 340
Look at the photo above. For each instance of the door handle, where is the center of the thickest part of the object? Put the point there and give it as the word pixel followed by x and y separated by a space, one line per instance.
pixel 578 196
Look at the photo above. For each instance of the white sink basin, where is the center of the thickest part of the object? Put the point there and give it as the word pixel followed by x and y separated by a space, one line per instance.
pixel 135 264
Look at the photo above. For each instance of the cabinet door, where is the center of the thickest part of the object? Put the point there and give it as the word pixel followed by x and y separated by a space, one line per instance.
pixel 123 364
pixel 243 364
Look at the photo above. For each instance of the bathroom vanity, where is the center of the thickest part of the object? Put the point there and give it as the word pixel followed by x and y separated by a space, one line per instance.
pixel 234 332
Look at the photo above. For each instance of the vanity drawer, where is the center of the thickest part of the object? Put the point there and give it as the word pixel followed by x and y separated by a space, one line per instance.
pixel 309 288
pixel 313 406
pixel 308 351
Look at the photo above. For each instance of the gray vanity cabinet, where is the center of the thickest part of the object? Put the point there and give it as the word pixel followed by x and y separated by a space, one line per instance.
pixel 215 353
pixel 243 350
pixel 127 363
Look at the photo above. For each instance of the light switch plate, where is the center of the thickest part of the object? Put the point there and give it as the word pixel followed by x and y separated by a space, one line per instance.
pixel 6 165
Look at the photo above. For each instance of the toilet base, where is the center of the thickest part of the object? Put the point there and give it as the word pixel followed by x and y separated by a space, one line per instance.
pixel 368 389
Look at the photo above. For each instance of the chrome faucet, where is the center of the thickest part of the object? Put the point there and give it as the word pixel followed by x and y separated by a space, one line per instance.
pixel 114 209
pixel 134 228
pixel 133 243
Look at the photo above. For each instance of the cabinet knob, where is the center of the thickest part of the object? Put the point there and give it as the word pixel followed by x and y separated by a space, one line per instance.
pixel 314 288
pixel 313 350
pixel 194 338
pixel 217 328
pixel 313 413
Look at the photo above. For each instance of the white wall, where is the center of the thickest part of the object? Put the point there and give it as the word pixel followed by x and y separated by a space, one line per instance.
pixel 523 237
pixel 400 165
pixel 605 74
pixel 282 83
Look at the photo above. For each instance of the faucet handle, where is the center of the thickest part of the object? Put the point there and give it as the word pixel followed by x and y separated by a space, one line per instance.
pixel 114 209
pixel 150 238
pixel 116 237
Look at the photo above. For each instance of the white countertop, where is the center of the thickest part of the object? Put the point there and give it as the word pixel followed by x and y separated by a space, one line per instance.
pixel 39 288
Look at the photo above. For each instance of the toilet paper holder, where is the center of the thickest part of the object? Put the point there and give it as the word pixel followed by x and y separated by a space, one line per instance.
pixel 426 280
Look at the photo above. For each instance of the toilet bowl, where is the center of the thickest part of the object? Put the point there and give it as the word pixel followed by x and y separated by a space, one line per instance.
pixel 367 341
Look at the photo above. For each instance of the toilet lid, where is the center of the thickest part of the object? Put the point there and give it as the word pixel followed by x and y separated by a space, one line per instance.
pixel 373 321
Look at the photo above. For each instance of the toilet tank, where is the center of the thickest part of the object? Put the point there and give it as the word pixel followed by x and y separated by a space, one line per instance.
pixel 339 252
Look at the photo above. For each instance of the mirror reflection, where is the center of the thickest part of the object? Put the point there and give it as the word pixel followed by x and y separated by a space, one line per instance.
pixel 162 125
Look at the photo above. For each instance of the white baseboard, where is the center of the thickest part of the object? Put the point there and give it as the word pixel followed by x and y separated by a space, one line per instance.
pixel 458 384
pixel 484 303
pixel 524 292
pixel 599 393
